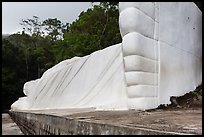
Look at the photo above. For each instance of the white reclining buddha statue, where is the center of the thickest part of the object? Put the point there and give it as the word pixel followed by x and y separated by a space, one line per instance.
pixel 160 56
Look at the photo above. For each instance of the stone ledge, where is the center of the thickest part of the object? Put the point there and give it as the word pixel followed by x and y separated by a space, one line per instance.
pixel 81 122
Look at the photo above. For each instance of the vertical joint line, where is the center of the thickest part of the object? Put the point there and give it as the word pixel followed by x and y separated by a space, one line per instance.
pixel 158 54
pixel 155 48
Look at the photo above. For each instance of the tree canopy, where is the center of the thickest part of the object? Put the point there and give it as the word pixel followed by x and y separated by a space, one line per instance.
pixel 41 45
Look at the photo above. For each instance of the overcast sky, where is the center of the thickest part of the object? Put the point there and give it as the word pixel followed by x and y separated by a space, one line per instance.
pixel 14 12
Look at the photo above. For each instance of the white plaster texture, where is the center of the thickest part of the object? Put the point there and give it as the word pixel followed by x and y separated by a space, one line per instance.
pixel 93 81
pixel 164 45
pixel 160 56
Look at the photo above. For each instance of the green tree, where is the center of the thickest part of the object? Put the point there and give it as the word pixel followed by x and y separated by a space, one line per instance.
pixel 32 26
pixel 13 73
pixel 55 28
pixel 95 29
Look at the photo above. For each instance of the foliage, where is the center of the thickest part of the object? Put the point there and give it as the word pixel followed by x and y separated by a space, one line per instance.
pixel 41 45
pixel 95 29
pixel 55 28
pixel 13 76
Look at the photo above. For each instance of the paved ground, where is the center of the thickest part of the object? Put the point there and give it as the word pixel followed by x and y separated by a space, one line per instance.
pixel 9 127
pixel 177 120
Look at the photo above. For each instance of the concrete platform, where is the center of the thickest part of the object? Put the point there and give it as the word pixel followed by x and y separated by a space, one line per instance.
pixel 8 126
pixel 91 122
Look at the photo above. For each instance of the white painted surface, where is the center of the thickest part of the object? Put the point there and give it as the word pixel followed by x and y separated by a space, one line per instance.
pixel 166 44
pixel 137 27
pixel 160 56
pixel 94 81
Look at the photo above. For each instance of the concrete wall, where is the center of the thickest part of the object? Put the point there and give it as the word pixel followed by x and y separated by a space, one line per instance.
pixel 43 124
